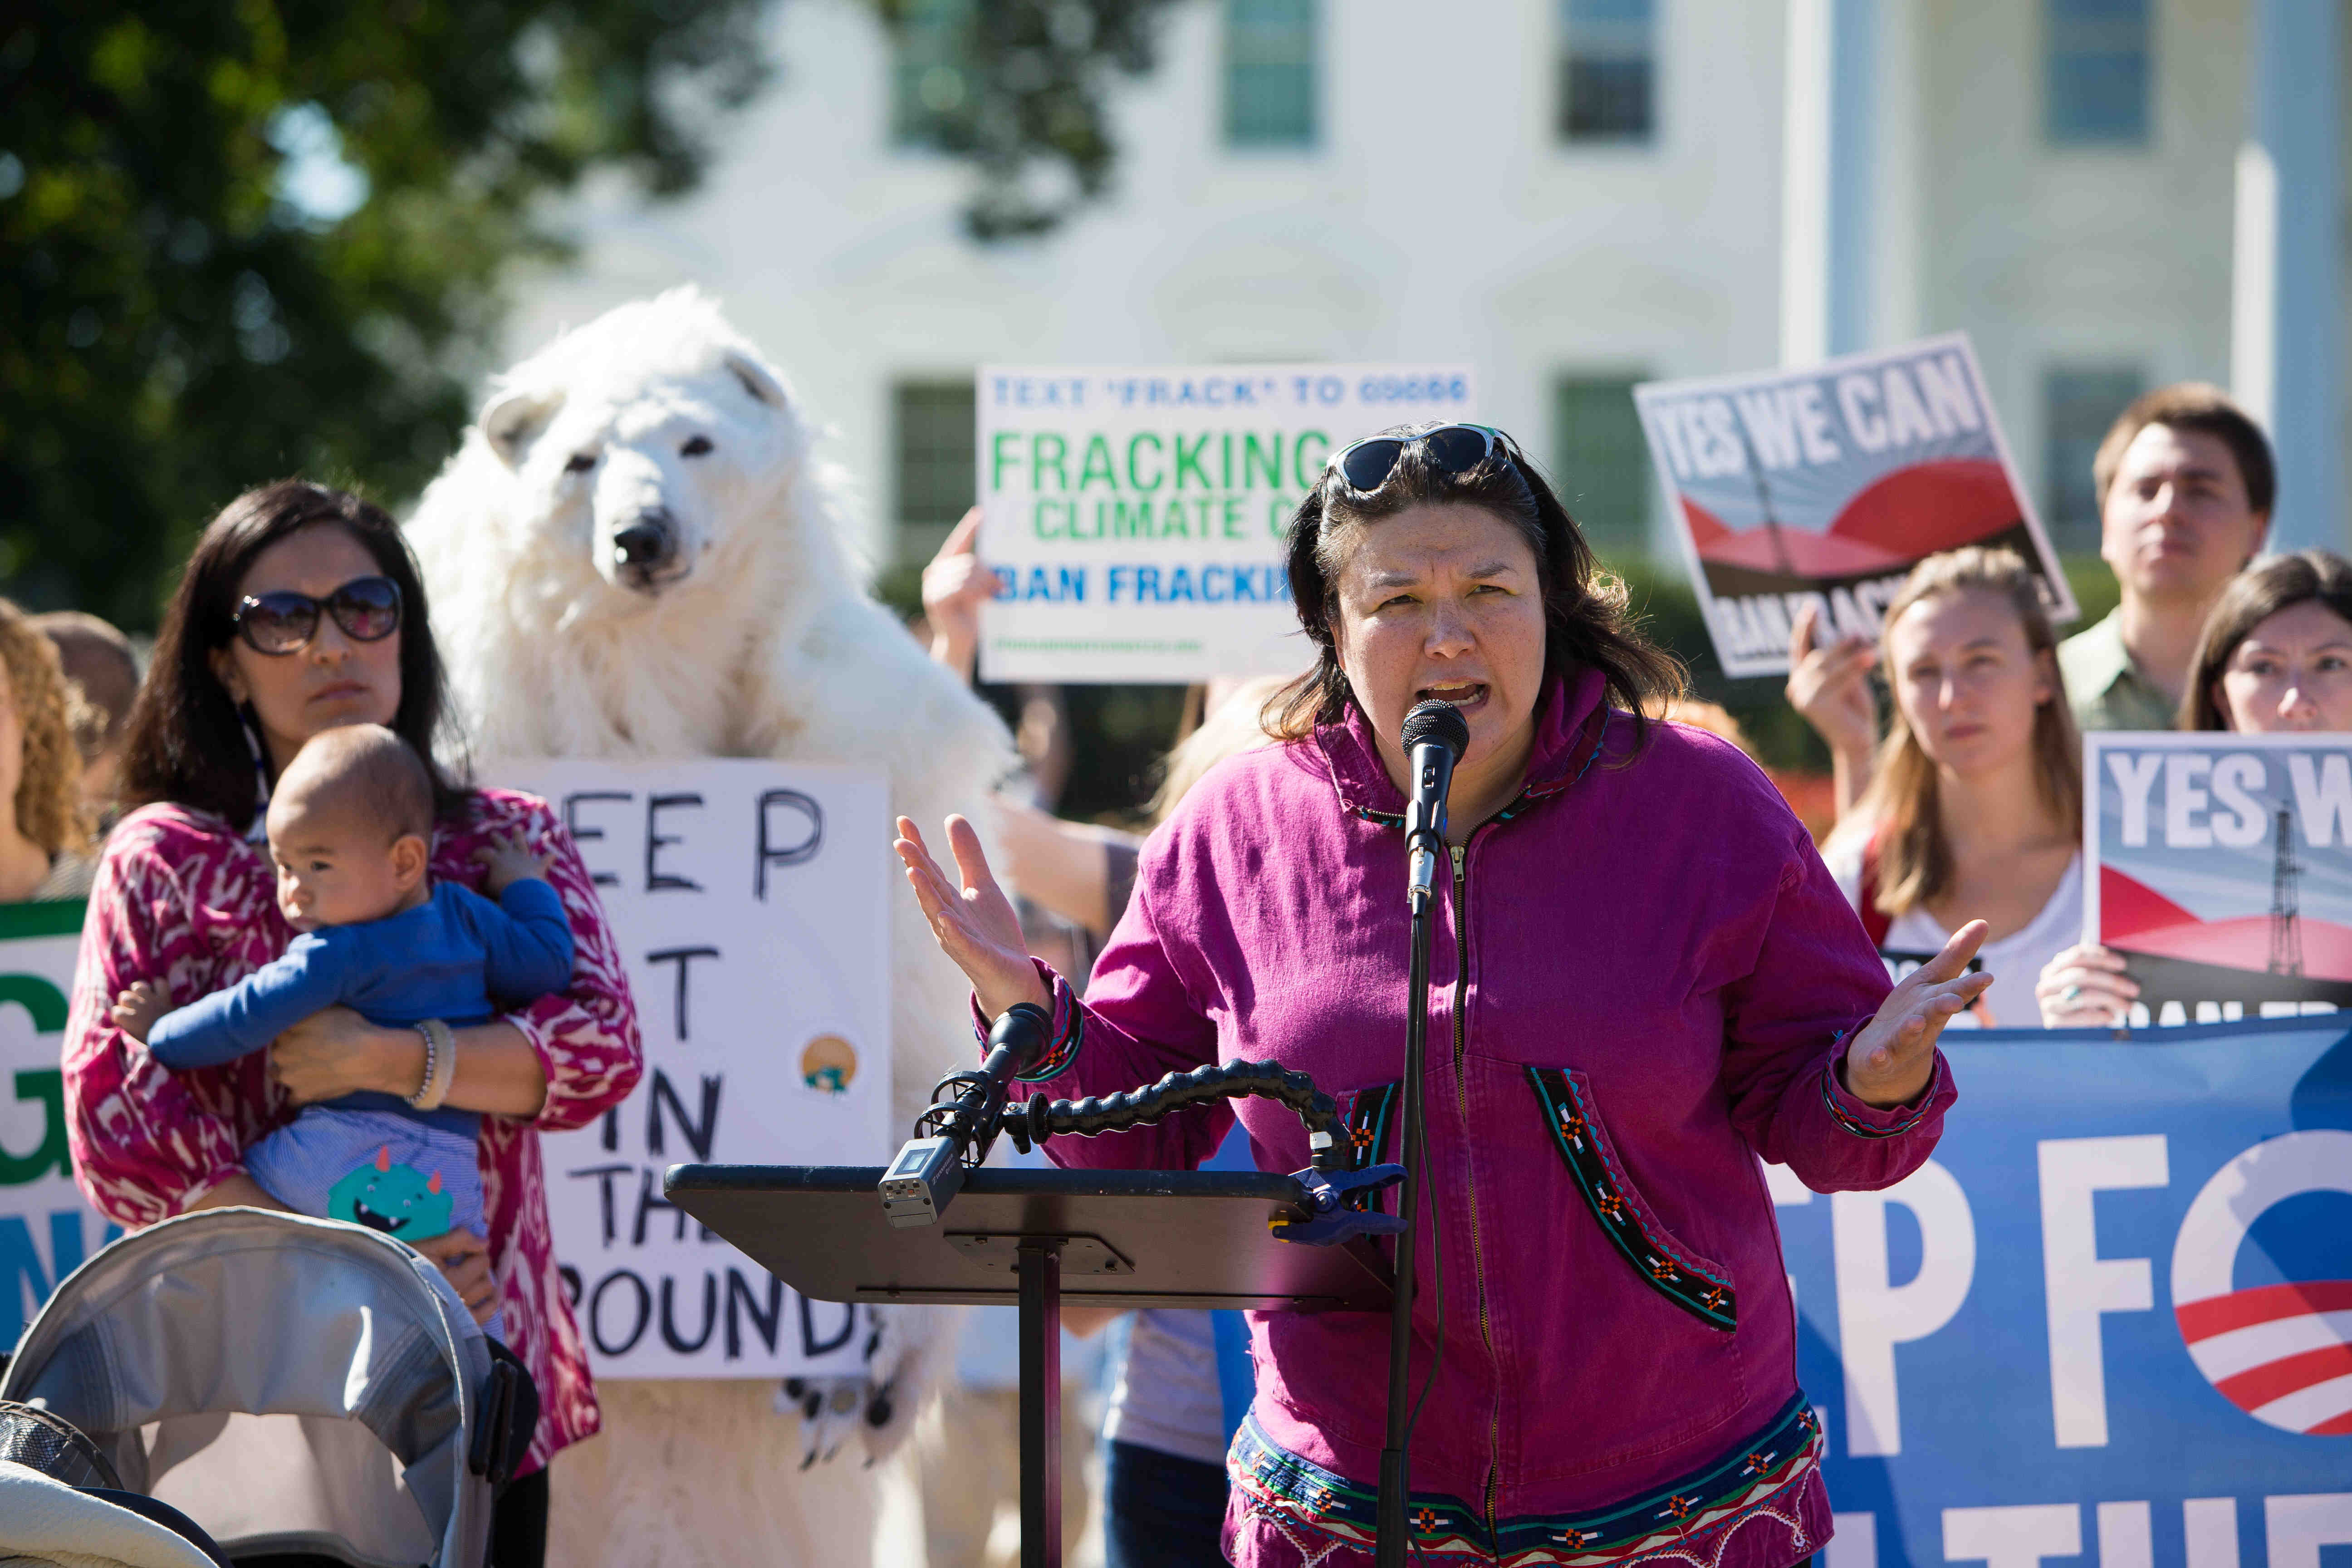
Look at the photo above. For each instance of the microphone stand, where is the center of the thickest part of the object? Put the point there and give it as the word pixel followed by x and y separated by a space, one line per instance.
pixel 1394 1468
pixel 1425 846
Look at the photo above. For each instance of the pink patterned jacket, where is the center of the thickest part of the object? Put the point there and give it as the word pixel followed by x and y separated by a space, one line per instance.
pixel 181 898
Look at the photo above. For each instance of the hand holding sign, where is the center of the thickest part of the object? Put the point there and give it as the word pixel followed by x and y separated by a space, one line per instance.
pixel 1829 683
pixel 975 923
pixel 2085 987
pixel 956 583
pixel 1891 1057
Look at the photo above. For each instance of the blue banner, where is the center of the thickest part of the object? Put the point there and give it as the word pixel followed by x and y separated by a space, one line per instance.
pixel 2110 1322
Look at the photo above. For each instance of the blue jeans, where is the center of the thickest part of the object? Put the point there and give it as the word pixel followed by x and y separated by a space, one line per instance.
pixel 1160 1512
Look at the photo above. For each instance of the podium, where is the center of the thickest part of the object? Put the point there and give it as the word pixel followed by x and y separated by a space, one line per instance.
pixel 1037 1238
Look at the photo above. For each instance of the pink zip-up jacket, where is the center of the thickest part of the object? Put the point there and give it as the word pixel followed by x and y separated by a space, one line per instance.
pixel 1643 979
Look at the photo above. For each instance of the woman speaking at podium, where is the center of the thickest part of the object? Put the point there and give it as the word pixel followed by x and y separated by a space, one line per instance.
pixel 1642 980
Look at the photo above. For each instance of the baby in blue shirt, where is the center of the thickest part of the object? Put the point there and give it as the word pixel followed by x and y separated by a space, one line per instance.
pixel 350 830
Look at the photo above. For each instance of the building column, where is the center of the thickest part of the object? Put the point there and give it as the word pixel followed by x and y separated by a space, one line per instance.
pixel 2286 323
pixel 1828 161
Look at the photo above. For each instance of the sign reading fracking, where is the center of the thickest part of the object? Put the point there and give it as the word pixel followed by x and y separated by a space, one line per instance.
pixel 2221 867
pixel 1136 519
pixel 1826 485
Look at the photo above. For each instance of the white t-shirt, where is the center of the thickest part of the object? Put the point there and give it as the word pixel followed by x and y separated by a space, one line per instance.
pixel 2016 960
pixel 1167 1395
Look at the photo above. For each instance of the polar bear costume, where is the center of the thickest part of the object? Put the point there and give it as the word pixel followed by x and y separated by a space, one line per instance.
pixel 636 554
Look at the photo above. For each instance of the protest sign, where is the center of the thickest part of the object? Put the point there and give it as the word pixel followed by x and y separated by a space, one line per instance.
pixel 1826 485
pixel 45 1228
pixel 2110 1319
pixel 748 900
pixel 1135 517
pixel 2219 865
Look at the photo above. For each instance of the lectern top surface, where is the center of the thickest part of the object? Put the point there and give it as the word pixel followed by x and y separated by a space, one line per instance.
pixel 1135 1238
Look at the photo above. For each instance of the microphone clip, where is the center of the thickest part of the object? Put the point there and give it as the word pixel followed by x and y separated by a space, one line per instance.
pixel 1337 1207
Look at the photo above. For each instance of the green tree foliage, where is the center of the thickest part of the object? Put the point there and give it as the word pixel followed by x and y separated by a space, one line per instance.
pixel 240 238
pixel 243 238
pixel 1018 86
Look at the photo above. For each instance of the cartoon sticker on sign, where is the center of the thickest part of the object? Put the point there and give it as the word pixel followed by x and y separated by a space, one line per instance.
pixel 829 1064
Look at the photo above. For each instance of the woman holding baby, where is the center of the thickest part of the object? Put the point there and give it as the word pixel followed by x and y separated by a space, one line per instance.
pixel 300 612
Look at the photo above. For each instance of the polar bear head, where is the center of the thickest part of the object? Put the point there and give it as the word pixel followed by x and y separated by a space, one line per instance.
pixel 645 440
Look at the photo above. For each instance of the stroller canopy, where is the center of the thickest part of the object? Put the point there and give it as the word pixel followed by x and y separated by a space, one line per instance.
pixel 174 1346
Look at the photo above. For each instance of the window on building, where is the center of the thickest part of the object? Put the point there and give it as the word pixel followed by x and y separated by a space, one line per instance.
pixel 1598 465
pixel 1608 69
pixel 932 441
pixel 2095 72
pixel 2077 405
pixel 1270 48
pixel 933 49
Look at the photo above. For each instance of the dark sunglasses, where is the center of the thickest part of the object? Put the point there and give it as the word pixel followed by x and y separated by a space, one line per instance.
pixel 1366 465
pixel 367 608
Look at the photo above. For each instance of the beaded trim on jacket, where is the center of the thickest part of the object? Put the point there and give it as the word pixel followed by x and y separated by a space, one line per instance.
pixel 1755 1482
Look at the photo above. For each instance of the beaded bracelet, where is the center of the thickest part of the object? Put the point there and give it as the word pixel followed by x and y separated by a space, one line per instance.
pixel 440 1065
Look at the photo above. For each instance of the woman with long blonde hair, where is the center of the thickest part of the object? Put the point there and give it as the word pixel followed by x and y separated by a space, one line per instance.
pixel 1975 801
pixel 44 839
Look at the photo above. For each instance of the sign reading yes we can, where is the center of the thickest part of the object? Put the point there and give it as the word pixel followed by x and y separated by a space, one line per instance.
pixel 45 1227
pixel 1135 519
pixel 751 904
pixel 2218 866
pixel 1824 486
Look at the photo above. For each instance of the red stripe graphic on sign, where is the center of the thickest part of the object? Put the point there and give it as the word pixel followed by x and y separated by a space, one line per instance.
pixel 2288 1374
pixel 2264 1304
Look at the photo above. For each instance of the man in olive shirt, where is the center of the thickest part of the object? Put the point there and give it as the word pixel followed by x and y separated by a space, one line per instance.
pixel 2185 484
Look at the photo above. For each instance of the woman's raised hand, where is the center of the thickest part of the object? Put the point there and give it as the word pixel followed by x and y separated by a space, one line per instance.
pixel 973 918
pixel 1893 1057
pixel 2085 987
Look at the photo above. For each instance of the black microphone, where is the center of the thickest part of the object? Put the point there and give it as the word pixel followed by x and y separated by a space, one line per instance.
pixel 953 1136
pixel 1435 736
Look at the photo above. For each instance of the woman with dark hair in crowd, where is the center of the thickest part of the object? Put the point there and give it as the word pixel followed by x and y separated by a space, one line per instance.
pixel 1643 979
pixel 2276 653
pixel 2275 656
pixel 1974 807
pixel 301 610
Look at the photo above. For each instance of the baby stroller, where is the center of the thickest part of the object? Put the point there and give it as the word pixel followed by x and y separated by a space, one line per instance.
pixel 293 1386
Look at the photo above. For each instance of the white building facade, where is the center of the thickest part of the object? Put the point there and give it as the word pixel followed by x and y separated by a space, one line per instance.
pixel 1569 195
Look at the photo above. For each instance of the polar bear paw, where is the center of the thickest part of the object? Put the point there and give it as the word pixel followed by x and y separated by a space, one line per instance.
pixel 876 1405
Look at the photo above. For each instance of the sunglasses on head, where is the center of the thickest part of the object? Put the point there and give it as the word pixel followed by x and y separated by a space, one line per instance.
pixel 367 608
pixel 1366 465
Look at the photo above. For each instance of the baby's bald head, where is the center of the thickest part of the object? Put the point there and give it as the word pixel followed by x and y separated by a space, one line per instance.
pixel 351 827
pixel 362 768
